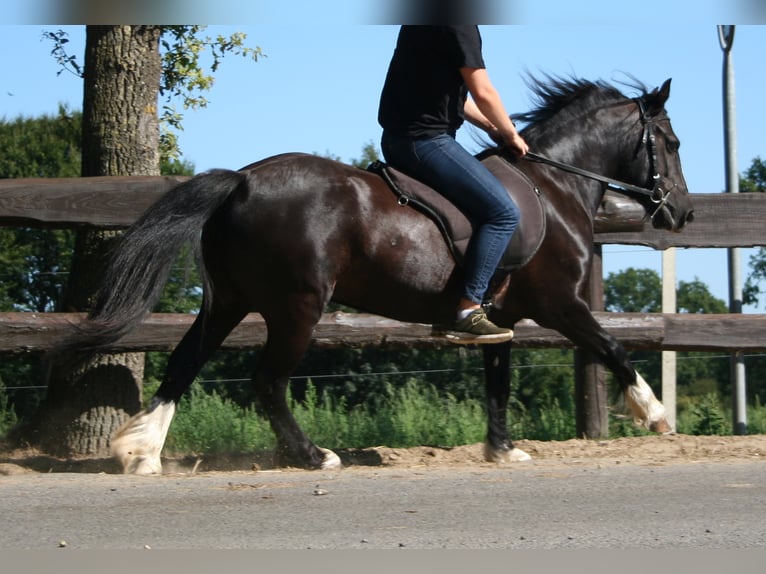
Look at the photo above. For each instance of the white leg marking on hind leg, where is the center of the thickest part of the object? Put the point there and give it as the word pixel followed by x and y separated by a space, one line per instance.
pixel 138 443
pixel 331 460
pixel 647 410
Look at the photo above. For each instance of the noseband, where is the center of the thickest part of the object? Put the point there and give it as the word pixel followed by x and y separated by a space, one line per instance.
pixel 657 195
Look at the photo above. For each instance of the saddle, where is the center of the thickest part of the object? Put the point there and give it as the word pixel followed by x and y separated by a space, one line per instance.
pixel 457 228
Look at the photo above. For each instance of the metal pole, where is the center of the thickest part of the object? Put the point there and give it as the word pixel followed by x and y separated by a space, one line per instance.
pixel 739 404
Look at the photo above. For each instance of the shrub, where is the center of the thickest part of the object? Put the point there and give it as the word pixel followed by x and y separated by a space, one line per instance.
pixel 8 417
pixel 704 417
pixel 413 414
pixel 207 423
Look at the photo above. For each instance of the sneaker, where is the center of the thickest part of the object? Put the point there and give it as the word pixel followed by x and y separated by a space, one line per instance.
pixel 476 329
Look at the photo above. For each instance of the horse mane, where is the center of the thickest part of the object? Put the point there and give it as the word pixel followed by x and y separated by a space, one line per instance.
pixel 566 98
pixel 559 100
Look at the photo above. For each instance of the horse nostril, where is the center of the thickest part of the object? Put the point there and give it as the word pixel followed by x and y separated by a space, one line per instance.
pixel 689 217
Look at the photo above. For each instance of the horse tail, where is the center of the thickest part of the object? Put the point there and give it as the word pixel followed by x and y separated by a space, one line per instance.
pixel 138 269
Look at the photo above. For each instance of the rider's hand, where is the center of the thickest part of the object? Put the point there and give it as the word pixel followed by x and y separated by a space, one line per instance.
pixel 516 144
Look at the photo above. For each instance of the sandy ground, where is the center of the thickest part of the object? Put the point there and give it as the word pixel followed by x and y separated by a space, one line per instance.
pixel 648 450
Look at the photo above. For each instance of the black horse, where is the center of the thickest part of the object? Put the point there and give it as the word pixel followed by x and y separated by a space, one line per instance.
pixel 284 236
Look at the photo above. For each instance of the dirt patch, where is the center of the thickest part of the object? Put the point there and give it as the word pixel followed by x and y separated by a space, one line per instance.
pixel 648 450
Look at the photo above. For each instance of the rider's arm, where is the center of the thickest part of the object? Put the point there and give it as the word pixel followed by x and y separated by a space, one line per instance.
pixel 485 110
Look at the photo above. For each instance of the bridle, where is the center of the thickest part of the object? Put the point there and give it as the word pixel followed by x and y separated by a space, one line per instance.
pixel 657 194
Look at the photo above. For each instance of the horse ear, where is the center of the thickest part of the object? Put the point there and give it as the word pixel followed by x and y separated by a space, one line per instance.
pixel 664 91
pixel 657 98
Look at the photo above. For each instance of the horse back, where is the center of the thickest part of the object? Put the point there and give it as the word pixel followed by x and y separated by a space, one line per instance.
pixel 318 224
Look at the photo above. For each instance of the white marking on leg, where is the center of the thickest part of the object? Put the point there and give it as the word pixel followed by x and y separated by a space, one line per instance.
pixel 647 410
pixel 331 460
pixel 138 443
pixel 504 456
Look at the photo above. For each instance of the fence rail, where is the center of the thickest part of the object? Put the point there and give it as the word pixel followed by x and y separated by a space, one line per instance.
pixel 39 332
pixel 721 220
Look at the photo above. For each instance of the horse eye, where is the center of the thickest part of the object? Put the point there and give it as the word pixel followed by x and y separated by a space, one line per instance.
pixel 672 146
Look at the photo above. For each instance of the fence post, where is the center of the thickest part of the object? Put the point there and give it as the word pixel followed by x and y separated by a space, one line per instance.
pixel 669 357
pixel 591 414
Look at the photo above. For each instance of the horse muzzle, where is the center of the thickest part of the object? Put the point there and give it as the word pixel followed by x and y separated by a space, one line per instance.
pixel 673 208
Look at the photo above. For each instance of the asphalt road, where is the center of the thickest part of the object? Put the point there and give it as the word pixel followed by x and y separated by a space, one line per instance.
pixel 532 506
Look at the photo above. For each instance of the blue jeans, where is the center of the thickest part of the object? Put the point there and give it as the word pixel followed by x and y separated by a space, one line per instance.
pixel 442 163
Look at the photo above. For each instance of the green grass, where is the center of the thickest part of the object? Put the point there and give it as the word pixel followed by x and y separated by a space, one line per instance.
pixel 413 414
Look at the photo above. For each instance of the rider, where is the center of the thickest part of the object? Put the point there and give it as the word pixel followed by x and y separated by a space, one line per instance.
pixel 423 103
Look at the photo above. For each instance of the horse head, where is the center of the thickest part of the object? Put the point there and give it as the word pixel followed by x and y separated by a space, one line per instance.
pixel 628 143
pixel 657 159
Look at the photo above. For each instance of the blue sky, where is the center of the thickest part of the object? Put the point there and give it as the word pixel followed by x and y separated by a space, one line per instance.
pixel 317 90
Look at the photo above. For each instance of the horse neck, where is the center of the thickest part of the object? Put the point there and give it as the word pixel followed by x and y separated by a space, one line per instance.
pixel 598 141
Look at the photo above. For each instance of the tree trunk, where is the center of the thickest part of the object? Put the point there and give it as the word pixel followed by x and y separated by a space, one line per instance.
pixel 87 402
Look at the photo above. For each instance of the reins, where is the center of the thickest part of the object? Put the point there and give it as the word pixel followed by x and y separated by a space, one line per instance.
pixel 612 183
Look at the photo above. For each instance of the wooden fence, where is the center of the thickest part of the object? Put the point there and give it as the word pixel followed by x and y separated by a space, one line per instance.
pixel 721 221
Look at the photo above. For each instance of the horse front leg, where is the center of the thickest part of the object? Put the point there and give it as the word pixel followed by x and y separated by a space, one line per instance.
pixel 647 410
pixel 497 375
pixel 582 328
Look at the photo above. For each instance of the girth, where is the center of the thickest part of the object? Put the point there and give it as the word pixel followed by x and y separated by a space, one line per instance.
pixel 457 228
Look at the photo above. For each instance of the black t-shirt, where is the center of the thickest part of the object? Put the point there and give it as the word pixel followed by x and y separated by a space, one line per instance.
pixel 424 93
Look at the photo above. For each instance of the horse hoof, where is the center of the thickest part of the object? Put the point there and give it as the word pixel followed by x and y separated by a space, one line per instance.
pixel 505 455
pixel 661 427
pixel 331 460
pixel 134 462
pixel 138 443
pixel 142 465
pixel 517 455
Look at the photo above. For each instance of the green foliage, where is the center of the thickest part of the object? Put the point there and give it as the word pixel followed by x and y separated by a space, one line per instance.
pixel 207 423
pixel 541 378
pixel 550 422
pixel 322 418
pixel 704 417
pixel 756 417
pixel 369 155
pixel 754 180
pixel 184 75
pixel 623 426
pixel 639 290
pixel 752 289
pixel 35 264
pixel 633 291
pixel 8 418
pixel 67 62
pixel 415 414
pixel 695 297
pixel 34 261
pixel 46 146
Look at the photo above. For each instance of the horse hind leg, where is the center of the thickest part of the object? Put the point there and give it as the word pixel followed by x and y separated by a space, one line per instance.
pixel 138 444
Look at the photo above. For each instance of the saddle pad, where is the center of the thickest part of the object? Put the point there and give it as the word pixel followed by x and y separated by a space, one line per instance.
pixel 457 228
